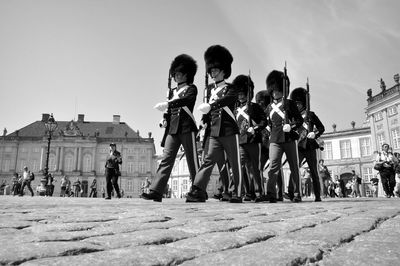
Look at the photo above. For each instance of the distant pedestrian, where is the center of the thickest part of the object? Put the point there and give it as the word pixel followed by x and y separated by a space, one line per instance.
pixel 27 177
pixel 356 184
pixel 384 163
pixel 113 161
pixel 93 189
pixel 324 175
pixel 77 187
pixel 103 192
pixel 374 183
pixel 63 186
pixel 16 184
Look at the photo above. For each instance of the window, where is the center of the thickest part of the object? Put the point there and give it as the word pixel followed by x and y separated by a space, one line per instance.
pixel 367 174
pixel 378 116
pixel 87 163
pixel 36 150
pixel 24 149
pixel 379 127
pixel 69 163
pixel 175 185
pixel 185 185
pixel 327 153
pixel 345 149
pixel 142 168
pixel 52 162
pixel 396 138
pixel 394 121
pixel 6 165
pixel 130 167
pixel 130 185
pixel 35 166
pixel 365 146
pixel 392 110
pixel 380 139
pixel 22 164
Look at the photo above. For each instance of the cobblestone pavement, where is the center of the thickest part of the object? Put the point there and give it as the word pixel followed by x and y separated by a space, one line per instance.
pixel 84 231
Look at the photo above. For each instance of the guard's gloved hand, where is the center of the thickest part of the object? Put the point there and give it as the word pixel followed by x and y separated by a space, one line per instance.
pixel 204 108
pixel 311 135
pixel 161 106
pixel 251 130
pixel 286 128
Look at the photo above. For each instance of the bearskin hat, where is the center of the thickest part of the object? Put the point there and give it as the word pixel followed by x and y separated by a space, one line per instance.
pixel 186 65
pixel 299 95
pixel 275 82
pixel 243 83
pixel 217 56
pixel 263 96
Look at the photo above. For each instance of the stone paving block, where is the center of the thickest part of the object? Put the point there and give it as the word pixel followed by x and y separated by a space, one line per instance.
pixel 142 255
pixel 270 252
pixel 15 253
pixel 145 237
pixel 377 247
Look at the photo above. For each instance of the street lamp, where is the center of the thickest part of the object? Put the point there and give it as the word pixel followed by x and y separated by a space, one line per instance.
pixel 51 126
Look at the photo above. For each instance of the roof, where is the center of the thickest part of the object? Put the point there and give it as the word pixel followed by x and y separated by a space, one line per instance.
pixel 74 128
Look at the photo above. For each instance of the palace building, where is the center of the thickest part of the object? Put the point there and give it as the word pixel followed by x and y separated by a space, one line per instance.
pixel 78 150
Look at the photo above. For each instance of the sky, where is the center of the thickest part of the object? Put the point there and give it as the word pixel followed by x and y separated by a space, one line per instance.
pixel 105 57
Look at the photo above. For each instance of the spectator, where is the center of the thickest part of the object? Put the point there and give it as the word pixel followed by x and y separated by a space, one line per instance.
pixel 325 176
pixel 374 183
pixel 356 184
pixel 93 189
pixel 27 177
pixel 77 187
pixel 16 184
pixel 384 163
pixel 64 183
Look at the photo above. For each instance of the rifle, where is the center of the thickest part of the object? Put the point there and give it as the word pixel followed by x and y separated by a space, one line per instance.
pixel 284 98
pixel 248 97
pixel 303 132
pixel 203 129
pixel 165 121
pixel 309 128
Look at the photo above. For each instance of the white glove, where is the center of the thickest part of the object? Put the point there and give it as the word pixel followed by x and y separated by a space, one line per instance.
pixel 286 128
pixel 250 130
pixel 204 108
pixel 161 106
pixel 311 135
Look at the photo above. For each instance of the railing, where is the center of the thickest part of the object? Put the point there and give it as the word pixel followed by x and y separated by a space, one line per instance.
pixel 383 94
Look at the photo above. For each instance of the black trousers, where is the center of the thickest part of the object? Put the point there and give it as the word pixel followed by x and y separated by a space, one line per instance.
pixel 388 181
pixel 171 149
pixel 223 168
pixel 112 181
pixel 311 159
pixel 28 184
pixel 218 146
pixel 250 155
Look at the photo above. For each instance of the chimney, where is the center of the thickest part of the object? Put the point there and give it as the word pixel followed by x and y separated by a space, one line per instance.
pixel 45 117
pixel 116 119
pixel 334 127
pixel 81 118
pixel 4 132
pixel 353 124
pixel 150 135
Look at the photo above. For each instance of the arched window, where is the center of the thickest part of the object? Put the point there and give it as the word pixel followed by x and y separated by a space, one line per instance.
pixel 52 162
pixel 87 163
pixel 69 163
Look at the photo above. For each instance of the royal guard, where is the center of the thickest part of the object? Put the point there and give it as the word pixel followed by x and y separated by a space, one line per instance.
pixel 283 119
pixel 224 131
pixel 180 125
pixel 311 130
pixel 251 120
